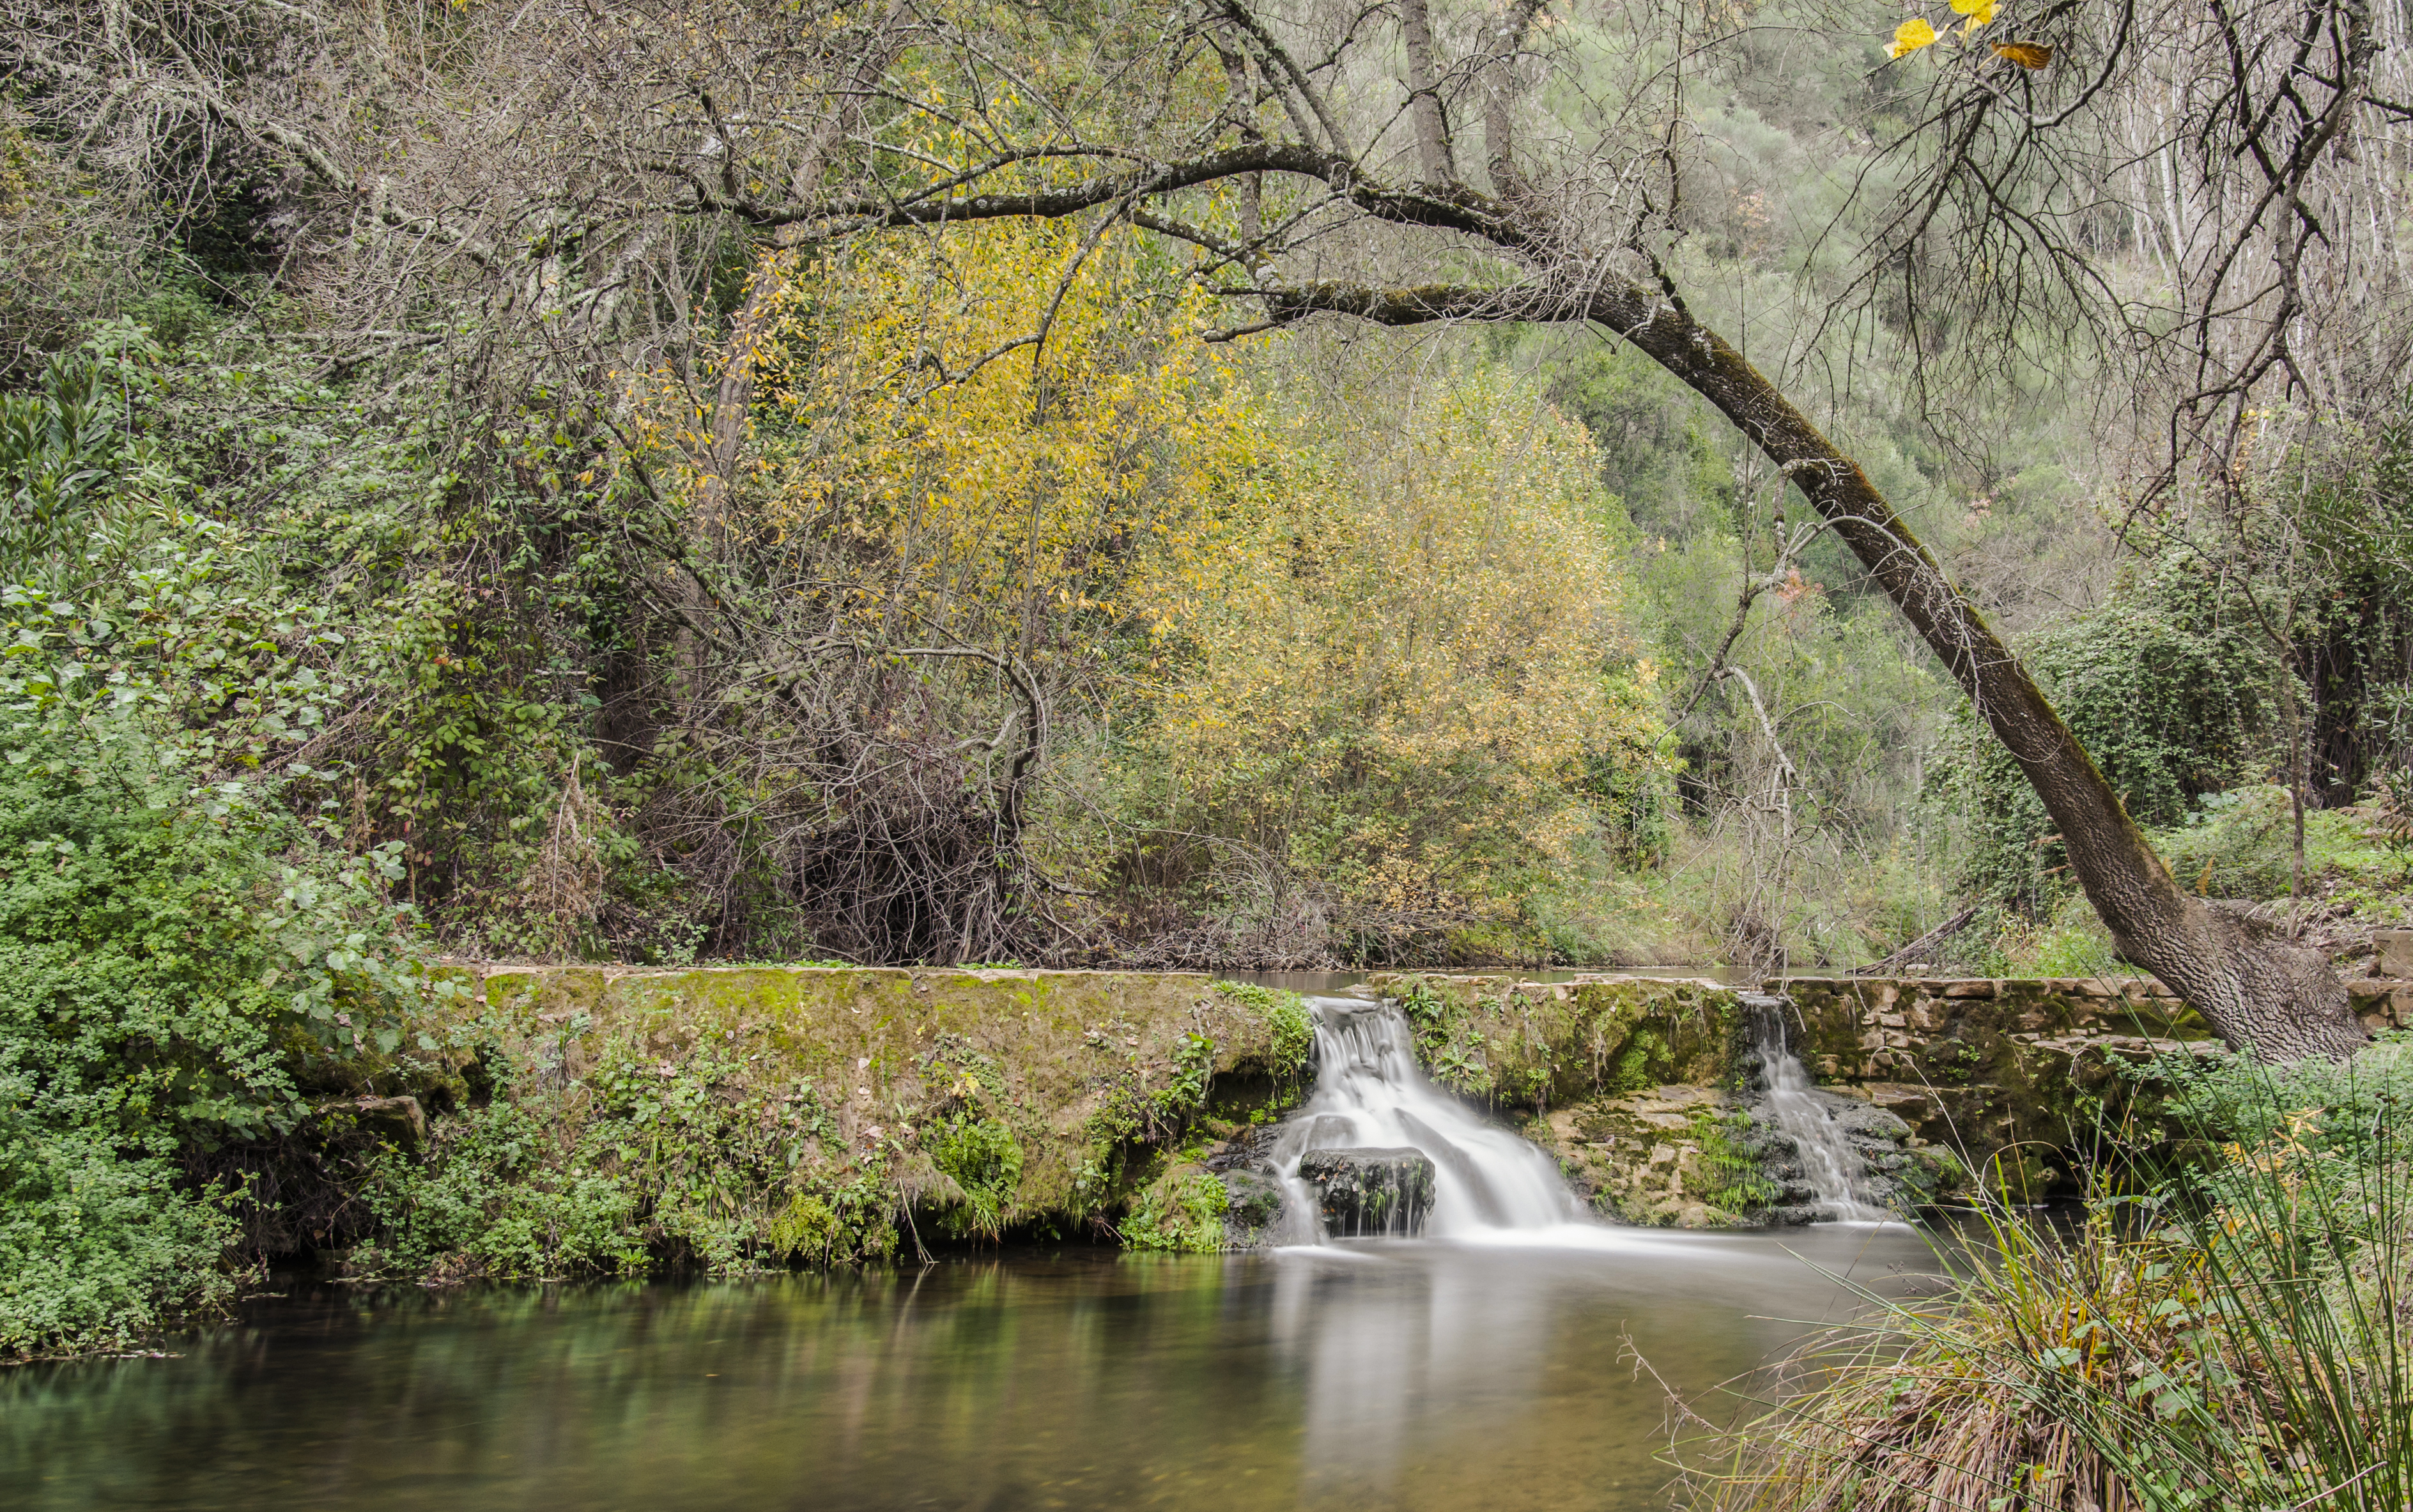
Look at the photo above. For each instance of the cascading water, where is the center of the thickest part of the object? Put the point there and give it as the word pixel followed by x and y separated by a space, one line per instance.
pixel 1832 1167
pixel 1369 1092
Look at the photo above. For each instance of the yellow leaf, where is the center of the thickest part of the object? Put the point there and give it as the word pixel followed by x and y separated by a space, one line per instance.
pixel 1910 36
pixel 2026 54
pixel 1978 11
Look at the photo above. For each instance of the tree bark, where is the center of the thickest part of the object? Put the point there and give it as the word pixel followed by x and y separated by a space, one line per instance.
pixel 1424 97
pixel 2254 989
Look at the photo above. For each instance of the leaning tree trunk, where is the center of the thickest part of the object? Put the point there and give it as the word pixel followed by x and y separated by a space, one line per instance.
pixel 2257 989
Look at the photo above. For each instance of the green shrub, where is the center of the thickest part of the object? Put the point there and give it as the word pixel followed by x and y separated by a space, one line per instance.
pixel 180 970
pixel 2071 942
pixel 981 1157
pixel 99 1250
pixel 647 1160
pixel 2241 844
pixel 2172 694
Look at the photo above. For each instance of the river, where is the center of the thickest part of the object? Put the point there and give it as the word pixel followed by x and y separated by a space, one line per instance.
pixel 1393 1374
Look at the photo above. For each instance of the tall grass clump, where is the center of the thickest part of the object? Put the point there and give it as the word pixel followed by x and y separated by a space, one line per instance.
pixel 2232 1336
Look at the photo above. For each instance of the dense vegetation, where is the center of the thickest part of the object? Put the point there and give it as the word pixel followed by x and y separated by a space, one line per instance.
pixel 461 553
pixel 2228 1334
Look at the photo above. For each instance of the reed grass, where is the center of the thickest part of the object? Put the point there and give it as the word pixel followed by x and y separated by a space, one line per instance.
pixel 2232 1336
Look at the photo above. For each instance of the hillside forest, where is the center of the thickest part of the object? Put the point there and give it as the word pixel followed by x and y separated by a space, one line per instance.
pixel 1152 484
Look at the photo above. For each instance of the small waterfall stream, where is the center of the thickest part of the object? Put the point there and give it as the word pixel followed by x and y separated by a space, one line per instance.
pixel 1370 1093
pixel 1832 1167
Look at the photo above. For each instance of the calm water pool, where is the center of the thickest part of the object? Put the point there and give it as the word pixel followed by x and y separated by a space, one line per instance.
pixel 1406 1375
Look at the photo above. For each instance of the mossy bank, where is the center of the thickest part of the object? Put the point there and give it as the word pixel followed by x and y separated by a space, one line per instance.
pixel 585 1119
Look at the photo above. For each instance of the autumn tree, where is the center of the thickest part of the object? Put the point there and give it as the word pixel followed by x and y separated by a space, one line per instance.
pixel 1293 149
pixel 2207 196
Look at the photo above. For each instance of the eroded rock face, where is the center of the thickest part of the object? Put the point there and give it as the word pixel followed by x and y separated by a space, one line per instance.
pixel 1706 1157
pixel 1663 1156
pixel 1367 1191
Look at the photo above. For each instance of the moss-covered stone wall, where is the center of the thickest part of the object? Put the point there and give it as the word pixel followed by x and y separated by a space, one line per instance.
pixel 1530 1045
pixel 886 1051
pixel 575 1119
pixel 1640 1085
pixel 584 1117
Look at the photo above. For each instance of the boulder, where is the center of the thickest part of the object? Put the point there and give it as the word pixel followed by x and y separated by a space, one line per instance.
pixel 1370 1192
pixel 2395 948
pixel 1252 1215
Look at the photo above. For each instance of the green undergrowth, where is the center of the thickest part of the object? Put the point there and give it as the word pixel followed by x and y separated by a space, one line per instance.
pixel 185 968
pixel 642 1164
pixel 1182 1213
pixel 2232 1335
pixel 2241 844
pixel 2235 845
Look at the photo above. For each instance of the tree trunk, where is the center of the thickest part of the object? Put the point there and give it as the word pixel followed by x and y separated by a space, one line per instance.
pixel 2257 991
pixel 1424 99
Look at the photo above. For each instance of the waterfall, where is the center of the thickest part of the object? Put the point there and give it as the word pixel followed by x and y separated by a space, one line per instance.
pixel 1369 1092
pixel 1832 1167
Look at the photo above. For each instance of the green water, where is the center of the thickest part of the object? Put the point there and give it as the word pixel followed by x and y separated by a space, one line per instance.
pixel 1397 1376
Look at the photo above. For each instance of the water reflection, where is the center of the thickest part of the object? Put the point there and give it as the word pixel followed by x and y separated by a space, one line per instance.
pixel 1408 1376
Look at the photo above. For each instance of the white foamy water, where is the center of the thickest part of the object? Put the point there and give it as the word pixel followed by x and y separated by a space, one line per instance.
pixel 1369 1091
pixel 1833 1169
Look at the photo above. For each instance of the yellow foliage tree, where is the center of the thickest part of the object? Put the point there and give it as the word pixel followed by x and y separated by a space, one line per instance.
pixel 1416 693
pixel 1384 654
pixel 1022 422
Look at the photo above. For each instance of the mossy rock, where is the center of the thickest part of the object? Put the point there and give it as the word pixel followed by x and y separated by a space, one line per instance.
pixel 1536 1044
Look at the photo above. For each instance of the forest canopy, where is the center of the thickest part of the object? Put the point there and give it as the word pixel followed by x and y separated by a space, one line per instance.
pixel 1155 484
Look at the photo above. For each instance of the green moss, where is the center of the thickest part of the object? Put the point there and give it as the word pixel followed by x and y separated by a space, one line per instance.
pixel 1640 1063
pixel 981 1157
pixel 1290 1028
pixel 1182 1212
pixel 1733 1162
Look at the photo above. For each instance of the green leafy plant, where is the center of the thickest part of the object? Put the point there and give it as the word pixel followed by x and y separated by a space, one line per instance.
pixel 1181 1214
pixel 1290 1027
pixel 181 970
pixel 1462 1068
pixel 981 1157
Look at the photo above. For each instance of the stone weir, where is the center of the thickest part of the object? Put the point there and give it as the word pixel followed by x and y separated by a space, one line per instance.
pixel 1653 1095
pixel 855 1113
pixel 877 1110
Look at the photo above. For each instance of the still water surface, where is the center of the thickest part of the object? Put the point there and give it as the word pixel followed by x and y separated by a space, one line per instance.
pixel 1390 1375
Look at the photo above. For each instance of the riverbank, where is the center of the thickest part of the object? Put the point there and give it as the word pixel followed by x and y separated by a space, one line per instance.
pixel 536 1122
